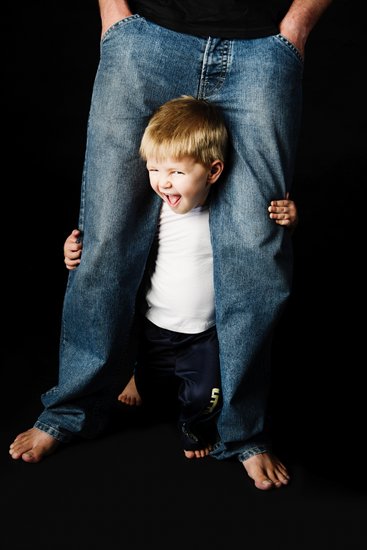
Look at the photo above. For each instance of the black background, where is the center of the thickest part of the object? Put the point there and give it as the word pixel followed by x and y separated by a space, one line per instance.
pixel 132 486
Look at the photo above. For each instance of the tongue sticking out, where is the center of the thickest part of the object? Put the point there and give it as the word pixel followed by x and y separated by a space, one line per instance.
pixel 173 199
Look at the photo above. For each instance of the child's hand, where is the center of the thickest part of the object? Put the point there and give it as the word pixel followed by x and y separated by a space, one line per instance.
pixel 72 250
pixel 284 212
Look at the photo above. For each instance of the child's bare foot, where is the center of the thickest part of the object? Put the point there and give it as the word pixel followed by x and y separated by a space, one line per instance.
pixel 198 454
pixel 33 445
pixel 130 395
pixel 266 471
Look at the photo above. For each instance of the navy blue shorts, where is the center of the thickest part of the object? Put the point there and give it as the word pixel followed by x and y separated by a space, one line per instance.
pixel 182 368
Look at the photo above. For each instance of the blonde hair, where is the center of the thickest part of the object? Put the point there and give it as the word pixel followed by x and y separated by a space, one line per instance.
pixel 185 127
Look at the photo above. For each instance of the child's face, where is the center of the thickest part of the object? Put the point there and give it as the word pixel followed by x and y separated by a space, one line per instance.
pixel 183 184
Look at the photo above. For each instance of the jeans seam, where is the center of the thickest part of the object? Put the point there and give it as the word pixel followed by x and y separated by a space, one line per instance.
pixel 119 23
pixel 291 46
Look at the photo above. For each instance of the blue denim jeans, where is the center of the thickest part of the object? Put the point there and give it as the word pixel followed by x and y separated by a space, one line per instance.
pixel 258 84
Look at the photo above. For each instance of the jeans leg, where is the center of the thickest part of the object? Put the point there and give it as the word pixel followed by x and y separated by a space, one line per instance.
pixel 261 101
pixel 141 66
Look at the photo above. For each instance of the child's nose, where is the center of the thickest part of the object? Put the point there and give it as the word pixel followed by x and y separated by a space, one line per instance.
pixel 166 184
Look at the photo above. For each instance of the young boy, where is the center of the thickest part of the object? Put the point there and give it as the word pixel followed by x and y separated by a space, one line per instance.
pixel 184 146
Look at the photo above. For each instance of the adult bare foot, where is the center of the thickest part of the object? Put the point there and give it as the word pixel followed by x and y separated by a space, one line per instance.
pixel 33 445
pixel 267 471
pixel 198 454
pixel 130 395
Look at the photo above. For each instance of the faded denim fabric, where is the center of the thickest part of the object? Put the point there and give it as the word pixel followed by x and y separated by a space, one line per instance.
pixel 257 83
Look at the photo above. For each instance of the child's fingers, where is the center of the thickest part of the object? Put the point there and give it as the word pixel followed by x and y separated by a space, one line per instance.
pixel 74 236
pixel 72 261
pixel 73 247
pixel 71 264
pixel 279 217
pixel 279 213
pixel 283 221
pixel 279 210
pixel 72 255
pixel 280 203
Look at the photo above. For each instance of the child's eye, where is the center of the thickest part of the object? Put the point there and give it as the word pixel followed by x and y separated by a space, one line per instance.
pixel 178 172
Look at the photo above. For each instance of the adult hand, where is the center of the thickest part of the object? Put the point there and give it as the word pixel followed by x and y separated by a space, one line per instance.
pixel 112 11
pixel 300 19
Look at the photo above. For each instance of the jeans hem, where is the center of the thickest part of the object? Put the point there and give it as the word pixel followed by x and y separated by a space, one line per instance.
pixel 221 453
pixel 245 455
pixel 56 434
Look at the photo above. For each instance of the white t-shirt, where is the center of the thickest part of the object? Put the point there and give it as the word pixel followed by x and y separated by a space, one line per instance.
pixel 181 296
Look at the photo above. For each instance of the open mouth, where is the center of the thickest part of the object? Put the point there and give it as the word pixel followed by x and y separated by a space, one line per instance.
pixel 173 200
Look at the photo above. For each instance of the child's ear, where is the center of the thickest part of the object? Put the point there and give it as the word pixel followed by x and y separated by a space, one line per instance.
pixel 216 168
